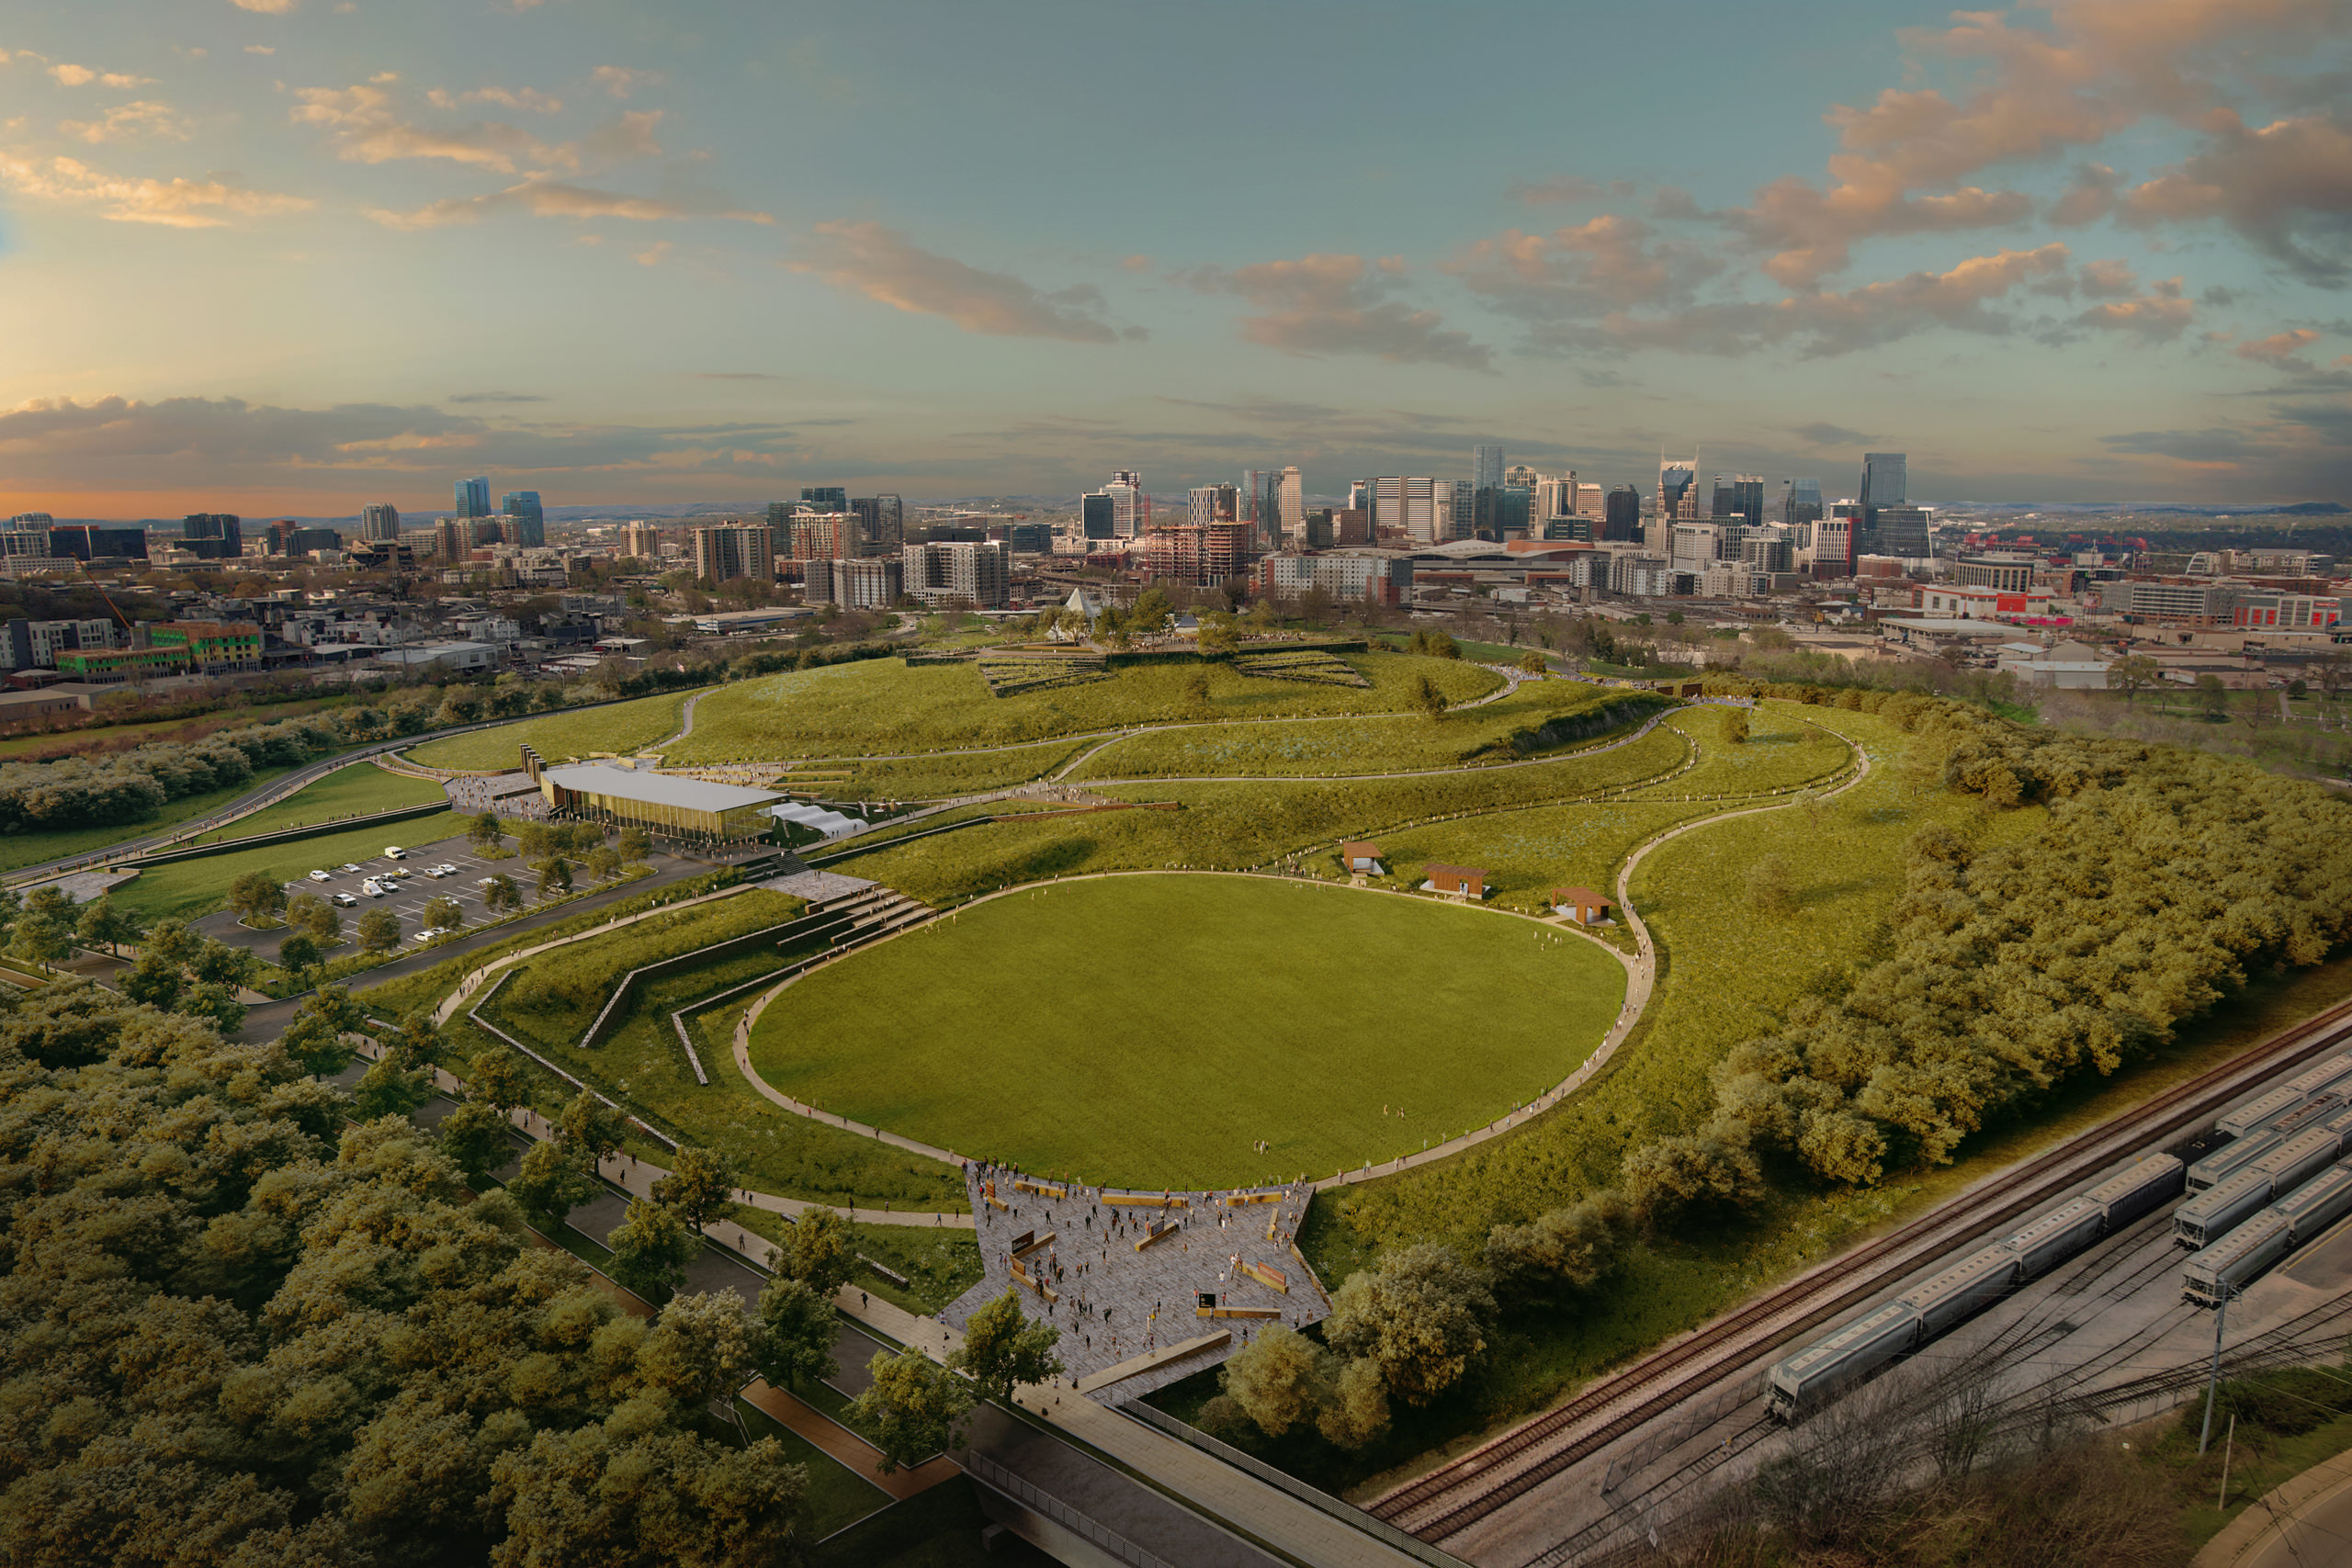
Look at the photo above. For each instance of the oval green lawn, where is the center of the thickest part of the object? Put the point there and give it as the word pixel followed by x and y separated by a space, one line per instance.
pixel 1147 1031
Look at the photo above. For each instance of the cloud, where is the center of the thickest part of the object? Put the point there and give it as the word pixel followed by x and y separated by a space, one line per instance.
pixel 2108 279
pixel 2278 348
pixel 529 99
pixel 495 397
pixel 731 375
pixel 1819 433
pixel 1326 303
pixel 2280 186
pixel 1609 263
pixel 259 49
pixel 1566 188
pixel 176 203
pixel 554 198
pixel 2159 316
pixel 1135 263
pixel 208 441
pixel 128 122
pixel 268 7
pixel 629 136
pixel 651 255
pixel 2090 195
pixel 1905 163
pixel 883 264
pixel 79 76
pixel 621 80
pixel 367 129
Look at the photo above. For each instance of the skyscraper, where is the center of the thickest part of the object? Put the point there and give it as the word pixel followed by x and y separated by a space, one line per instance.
pixel 1126 491
pixel 1210 503
pixel 881 524
pixel 1096 519
pixel 643 540
pixel 1261 505
pixel 1290 502
pixel 1486 467
pixel 1884 481
pixel 213 534
pixel 1677 485
pixel 474 497
pixel 727 551
pixel 1801 501
pixel 1407 502
pixel 530 529
pixel 826 497
pixel 380 520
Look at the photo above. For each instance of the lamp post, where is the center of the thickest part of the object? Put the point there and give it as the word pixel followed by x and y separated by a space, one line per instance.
pixel 2213 1381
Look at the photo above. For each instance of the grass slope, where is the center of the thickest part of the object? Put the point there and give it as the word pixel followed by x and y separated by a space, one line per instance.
pixel 1222 1011
pixel 1232 826
pixel 188 889
pixel 882 707
pixel 31 849
pixel 1340 747
pixel 349 792
pixel 561 736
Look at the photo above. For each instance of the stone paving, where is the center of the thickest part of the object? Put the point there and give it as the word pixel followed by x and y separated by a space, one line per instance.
pixel 1117 1303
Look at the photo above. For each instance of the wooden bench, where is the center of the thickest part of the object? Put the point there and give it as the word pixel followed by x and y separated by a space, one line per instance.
pixel 1144 1200
pixel 1023 1244
pixel 1042 1189
pixel 987 1191
pixel 1235 1200
pixel 1161 1230
pixel 1035 1283
pixel 1266 1274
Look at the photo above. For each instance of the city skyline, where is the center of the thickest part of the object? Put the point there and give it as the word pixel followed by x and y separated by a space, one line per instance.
pixel 283 256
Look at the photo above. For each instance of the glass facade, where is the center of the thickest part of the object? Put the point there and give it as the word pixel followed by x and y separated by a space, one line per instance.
pixel 472 497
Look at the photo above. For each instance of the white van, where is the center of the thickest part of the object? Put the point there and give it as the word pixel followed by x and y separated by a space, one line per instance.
pixel 395 852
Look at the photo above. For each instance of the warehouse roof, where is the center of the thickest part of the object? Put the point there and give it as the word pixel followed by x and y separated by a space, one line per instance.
pixel 659 789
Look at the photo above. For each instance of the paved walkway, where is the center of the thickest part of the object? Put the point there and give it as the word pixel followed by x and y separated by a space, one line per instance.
pixel 855 1453
pixel 2303 1523
pixel 1118 1302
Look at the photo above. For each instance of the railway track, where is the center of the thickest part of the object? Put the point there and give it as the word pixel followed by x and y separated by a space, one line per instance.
pixel 1456 1495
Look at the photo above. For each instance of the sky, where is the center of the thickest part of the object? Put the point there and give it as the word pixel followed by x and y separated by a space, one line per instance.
pixel 297 255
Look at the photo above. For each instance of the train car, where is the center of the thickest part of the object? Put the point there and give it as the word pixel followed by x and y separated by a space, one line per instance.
pixel 2316 1204
pixel 2131 1192
pixel 2313 1112
pixel 1963 1287
pixel 2260 1112
pixel 1801 1381
pixel 2323 1076
pixel 2232 1158
pixel 2229 1263
pixel 2298 1159
pixel 2058 1235
pixel 2219 1209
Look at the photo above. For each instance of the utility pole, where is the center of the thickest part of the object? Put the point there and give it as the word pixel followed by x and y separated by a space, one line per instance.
pixel 2213 1382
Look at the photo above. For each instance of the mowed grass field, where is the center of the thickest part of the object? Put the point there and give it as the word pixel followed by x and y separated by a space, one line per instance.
pixel 1149 1030
pixel 185 889
pixel 881 707
pixel 354 791
pixel 560 737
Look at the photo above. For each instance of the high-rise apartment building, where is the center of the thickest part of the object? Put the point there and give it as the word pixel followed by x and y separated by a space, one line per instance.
pixel 881 524
pixel 826 497
pixel 452 540
pixel 726 552
pixel 380 520
pixel 1261 505
pixel 1201 556
pixel 1208 504
pixel 1486 467
pixel 642 540
pixel 974 573
pixel 528 520
pixel 474 497
pixel 873 584
pixel 823 536
pixel 1408 503
pixel 1800 501
pixel 1290 502
pixel 213 534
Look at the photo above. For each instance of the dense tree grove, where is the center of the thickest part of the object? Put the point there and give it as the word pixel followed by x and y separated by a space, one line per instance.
pixel 2161 881
pixel 237 1329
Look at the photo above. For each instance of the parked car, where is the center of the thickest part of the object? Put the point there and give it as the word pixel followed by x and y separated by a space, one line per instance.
pixel 395 852
pixel 373 889
pixel 351 870
pixel 428 933
pixel 345 899
pixel 321 876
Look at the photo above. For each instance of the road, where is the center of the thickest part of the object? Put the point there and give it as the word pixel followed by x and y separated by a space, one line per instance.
pixel 255 798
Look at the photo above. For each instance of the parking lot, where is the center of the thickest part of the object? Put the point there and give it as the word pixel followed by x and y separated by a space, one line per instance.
pixel 405 895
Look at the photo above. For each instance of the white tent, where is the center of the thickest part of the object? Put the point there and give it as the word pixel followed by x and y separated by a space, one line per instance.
pixel 832 824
